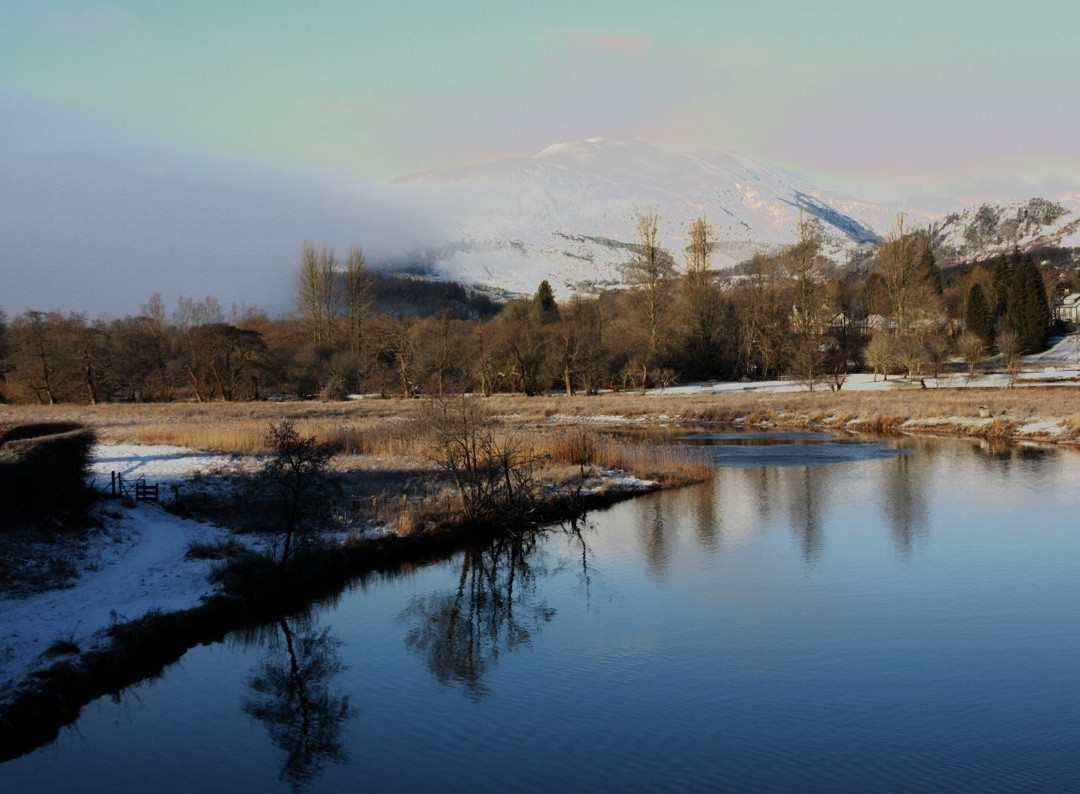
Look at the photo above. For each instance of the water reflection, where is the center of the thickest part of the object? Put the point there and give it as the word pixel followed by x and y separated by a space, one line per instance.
pixel 495 609
pixel 804 508
pixel 654 541
pixel 763 481
pixel 708 521
pixel 744 448
pixel 930 646
pixel 290 694
pixel 905 501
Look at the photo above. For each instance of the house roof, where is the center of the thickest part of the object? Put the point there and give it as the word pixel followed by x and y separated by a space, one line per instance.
pixel 1072 299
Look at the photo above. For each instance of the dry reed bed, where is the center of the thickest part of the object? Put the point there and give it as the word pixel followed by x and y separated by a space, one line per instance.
pixel 377 426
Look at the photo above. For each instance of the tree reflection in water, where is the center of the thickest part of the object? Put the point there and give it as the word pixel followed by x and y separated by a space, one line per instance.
pixel 807 485
pixel 290 694
pixel 905 501
pixel 494 610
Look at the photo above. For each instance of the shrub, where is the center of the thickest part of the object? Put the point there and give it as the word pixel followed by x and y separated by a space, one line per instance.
pixel 43 472
pixel 492 472
pixel 297 467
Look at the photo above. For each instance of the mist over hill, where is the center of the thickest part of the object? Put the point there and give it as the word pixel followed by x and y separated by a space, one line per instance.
pixel 95 224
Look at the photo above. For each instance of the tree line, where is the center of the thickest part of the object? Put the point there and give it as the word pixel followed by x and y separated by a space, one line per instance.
pixel 791 313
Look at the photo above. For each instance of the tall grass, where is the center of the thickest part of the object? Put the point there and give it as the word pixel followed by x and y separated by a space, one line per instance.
pixel 666 464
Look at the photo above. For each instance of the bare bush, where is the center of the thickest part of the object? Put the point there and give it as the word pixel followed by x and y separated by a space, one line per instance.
pixel 297 467
pixel 492 470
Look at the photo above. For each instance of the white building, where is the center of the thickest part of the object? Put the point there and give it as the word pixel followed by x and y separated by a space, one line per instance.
pixel 1068 308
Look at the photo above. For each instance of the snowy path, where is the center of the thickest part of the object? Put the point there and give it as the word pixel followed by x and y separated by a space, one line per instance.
pixel 135 567
pixel 132 567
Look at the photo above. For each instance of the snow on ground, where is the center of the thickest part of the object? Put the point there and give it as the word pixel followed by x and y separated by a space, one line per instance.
pixel 135 565
pixel 615 481
pixel 162 464
pixel 1036 371
pixel 1065 349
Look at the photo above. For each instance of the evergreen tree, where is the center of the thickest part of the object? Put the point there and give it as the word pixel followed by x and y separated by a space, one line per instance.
pixel 1028 311
pixel 544 301
pixel 1001 280
pixel 929 271
pixel 979 318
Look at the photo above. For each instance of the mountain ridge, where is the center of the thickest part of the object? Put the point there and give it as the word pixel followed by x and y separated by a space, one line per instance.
pixel 567 214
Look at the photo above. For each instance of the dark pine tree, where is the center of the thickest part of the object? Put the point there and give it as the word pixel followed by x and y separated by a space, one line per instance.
pixel 978 317
pixel 1001 280
pixel 1028 311
pixel 544 301
pixel 929 272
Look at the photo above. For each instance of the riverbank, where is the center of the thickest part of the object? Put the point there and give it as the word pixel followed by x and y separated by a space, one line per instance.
pixel 252 593
pixel 144 585
pixel 402 506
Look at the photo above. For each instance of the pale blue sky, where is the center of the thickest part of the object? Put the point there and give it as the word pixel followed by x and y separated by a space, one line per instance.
pixel 162 144
pixel 881 96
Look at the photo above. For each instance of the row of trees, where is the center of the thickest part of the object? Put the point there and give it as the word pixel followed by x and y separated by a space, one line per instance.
pixel 790 313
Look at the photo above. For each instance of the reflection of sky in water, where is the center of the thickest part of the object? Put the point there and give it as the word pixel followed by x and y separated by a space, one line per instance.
pixel 906 622
pixel 787 449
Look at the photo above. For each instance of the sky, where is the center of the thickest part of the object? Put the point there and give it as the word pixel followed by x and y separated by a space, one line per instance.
pixel 280 109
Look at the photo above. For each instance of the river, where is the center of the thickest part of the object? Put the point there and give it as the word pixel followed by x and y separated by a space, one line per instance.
pixel 824 614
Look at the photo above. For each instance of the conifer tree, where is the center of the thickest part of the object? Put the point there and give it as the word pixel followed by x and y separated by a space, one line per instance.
pixel 1028 311
pixel 544 301
pixel 978 317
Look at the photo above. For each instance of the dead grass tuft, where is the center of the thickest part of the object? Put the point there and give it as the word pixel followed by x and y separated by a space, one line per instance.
pixel 885 425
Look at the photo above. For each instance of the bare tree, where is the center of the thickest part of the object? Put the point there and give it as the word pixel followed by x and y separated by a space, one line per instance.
pixel 701 341
pixel 1011 349
pixel 297 466
pixel 804 267
pixel 492 471
pixel 972 348
pixel 902 265
pixel 34 355
pixel 357 294
pixel 315 290
pixel 650 271
pixel 762 319
pixel 190 312
pixel 881 355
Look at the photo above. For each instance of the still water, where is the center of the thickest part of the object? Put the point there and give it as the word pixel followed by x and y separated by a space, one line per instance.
pixel 823 615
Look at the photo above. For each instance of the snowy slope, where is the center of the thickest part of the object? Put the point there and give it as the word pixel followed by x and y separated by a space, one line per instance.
pixel 568 213
pixel 988 229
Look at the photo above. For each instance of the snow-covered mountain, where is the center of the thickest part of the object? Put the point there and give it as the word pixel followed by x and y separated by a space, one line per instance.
pixel 989 229
pixel 568 214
